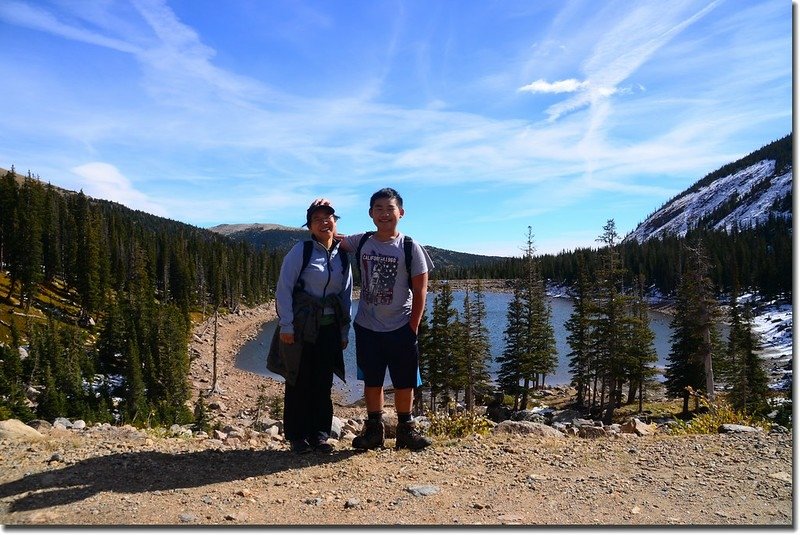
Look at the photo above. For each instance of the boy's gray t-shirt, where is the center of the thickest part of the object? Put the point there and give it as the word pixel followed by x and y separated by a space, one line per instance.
pixel 385 302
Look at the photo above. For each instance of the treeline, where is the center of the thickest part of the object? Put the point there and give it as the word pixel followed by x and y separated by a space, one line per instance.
pixel 454 347
pixel 752 259
pixel 122 351
pixel 612 357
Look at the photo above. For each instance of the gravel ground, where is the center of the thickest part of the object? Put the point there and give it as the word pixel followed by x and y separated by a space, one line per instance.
pixel 120 476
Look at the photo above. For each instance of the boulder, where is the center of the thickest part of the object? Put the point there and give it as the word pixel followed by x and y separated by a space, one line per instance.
pixel 42 425
pixel 528 416
pixel 736 428
pixel 526 428
pixel 566 416
pixel 16 430
pixel 62 423
pixel 266 423
pixel 637 427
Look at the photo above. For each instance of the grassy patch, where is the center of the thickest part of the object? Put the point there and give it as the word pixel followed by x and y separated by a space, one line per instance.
pixel 51 299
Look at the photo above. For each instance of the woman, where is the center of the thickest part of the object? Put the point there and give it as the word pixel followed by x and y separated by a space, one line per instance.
pixel 313 299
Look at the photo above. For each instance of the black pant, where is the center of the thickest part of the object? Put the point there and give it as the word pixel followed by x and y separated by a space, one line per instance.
pixel 307 405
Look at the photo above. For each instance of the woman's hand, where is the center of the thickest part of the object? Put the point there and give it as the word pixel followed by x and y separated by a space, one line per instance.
pixel 287 338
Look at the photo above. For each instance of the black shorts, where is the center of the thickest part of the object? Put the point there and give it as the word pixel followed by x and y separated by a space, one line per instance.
pixel 396 350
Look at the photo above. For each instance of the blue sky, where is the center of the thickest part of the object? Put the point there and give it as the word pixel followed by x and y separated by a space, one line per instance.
pixel 487 116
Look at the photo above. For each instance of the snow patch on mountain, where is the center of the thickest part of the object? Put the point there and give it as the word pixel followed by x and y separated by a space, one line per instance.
pixel 750 194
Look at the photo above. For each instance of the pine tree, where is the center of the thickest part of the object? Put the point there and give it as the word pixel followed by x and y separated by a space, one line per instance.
pixel 694 333
pixel 474 347
pixel 112 343
pixel 441 349
pixel 173 365
pixel 51 235
pixel 423 344
pixel 9 193
pixel 52 402
pixel 136 408
pixel 744 370
pixel 29 241
pixel 539 355
pixel 641 351
pixel 609 323
pixel 579 338
pixel 509 374
pixel 13 403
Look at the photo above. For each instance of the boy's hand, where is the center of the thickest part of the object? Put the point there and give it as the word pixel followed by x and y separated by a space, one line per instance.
pixel 321 202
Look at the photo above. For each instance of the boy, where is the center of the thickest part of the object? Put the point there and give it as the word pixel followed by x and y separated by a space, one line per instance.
pixel 389 312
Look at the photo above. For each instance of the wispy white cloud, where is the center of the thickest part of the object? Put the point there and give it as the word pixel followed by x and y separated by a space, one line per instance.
pixel 563 86
pixel 104 181
pixel 36 18
pixel 625 46
pixel 205 120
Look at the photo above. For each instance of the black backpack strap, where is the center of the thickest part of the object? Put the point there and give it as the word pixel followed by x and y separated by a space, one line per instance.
pixel 308 245
pixel 361 243
pixel 408 245
pixel 345 262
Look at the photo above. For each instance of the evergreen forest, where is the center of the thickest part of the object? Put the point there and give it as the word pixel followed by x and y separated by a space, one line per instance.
pixel 755 259
pixel 103 298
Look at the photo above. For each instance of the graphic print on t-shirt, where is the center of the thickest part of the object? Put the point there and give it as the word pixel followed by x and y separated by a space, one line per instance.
pixel 379 276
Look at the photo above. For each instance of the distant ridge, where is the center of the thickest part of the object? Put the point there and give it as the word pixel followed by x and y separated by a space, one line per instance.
pixel 281 238
pixel 241 227
pixel 263 235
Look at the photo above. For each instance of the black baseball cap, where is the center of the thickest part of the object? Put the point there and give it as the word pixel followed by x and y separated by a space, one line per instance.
pixel 317 206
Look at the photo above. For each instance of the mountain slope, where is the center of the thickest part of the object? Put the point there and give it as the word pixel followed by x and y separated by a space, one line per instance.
pixel 744 193
pixel 281 238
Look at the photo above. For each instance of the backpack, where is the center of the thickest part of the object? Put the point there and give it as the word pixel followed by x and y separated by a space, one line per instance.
pixel 407 248
pixel 308 246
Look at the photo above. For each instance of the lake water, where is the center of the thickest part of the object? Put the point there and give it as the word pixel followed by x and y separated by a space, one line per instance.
pixel 252 356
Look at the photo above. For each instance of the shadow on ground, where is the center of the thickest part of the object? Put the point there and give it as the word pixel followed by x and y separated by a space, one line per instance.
pixel 130 473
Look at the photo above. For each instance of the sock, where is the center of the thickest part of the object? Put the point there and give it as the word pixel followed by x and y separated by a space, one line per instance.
pixel 403 417
pixel 375 415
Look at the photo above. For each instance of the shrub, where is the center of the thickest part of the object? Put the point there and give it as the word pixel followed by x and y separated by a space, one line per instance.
pixel 458 425
pixel 719 413
pixel 268 405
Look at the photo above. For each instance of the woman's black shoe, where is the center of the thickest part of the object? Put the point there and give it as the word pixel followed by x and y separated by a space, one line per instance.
pixel 320 445
pixel 300 446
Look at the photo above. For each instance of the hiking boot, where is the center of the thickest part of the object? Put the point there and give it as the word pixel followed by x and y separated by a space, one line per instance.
pixel 371 436
pixel 409 437
pixel 300 446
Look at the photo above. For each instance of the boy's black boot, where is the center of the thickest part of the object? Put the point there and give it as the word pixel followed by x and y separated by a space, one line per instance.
pixel 371 436
pixel 409 437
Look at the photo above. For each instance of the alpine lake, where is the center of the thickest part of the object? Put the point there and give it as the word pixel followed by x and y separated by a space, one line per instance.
pixel 253 354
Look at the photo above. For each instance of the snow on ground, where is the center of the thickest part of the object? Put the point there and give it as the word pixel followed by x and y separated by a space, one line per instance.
pixel 774 327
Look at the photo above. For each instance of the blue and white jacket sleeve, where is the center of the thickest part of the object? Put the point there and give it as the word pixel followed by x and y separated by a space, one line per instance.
pixel 290 271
